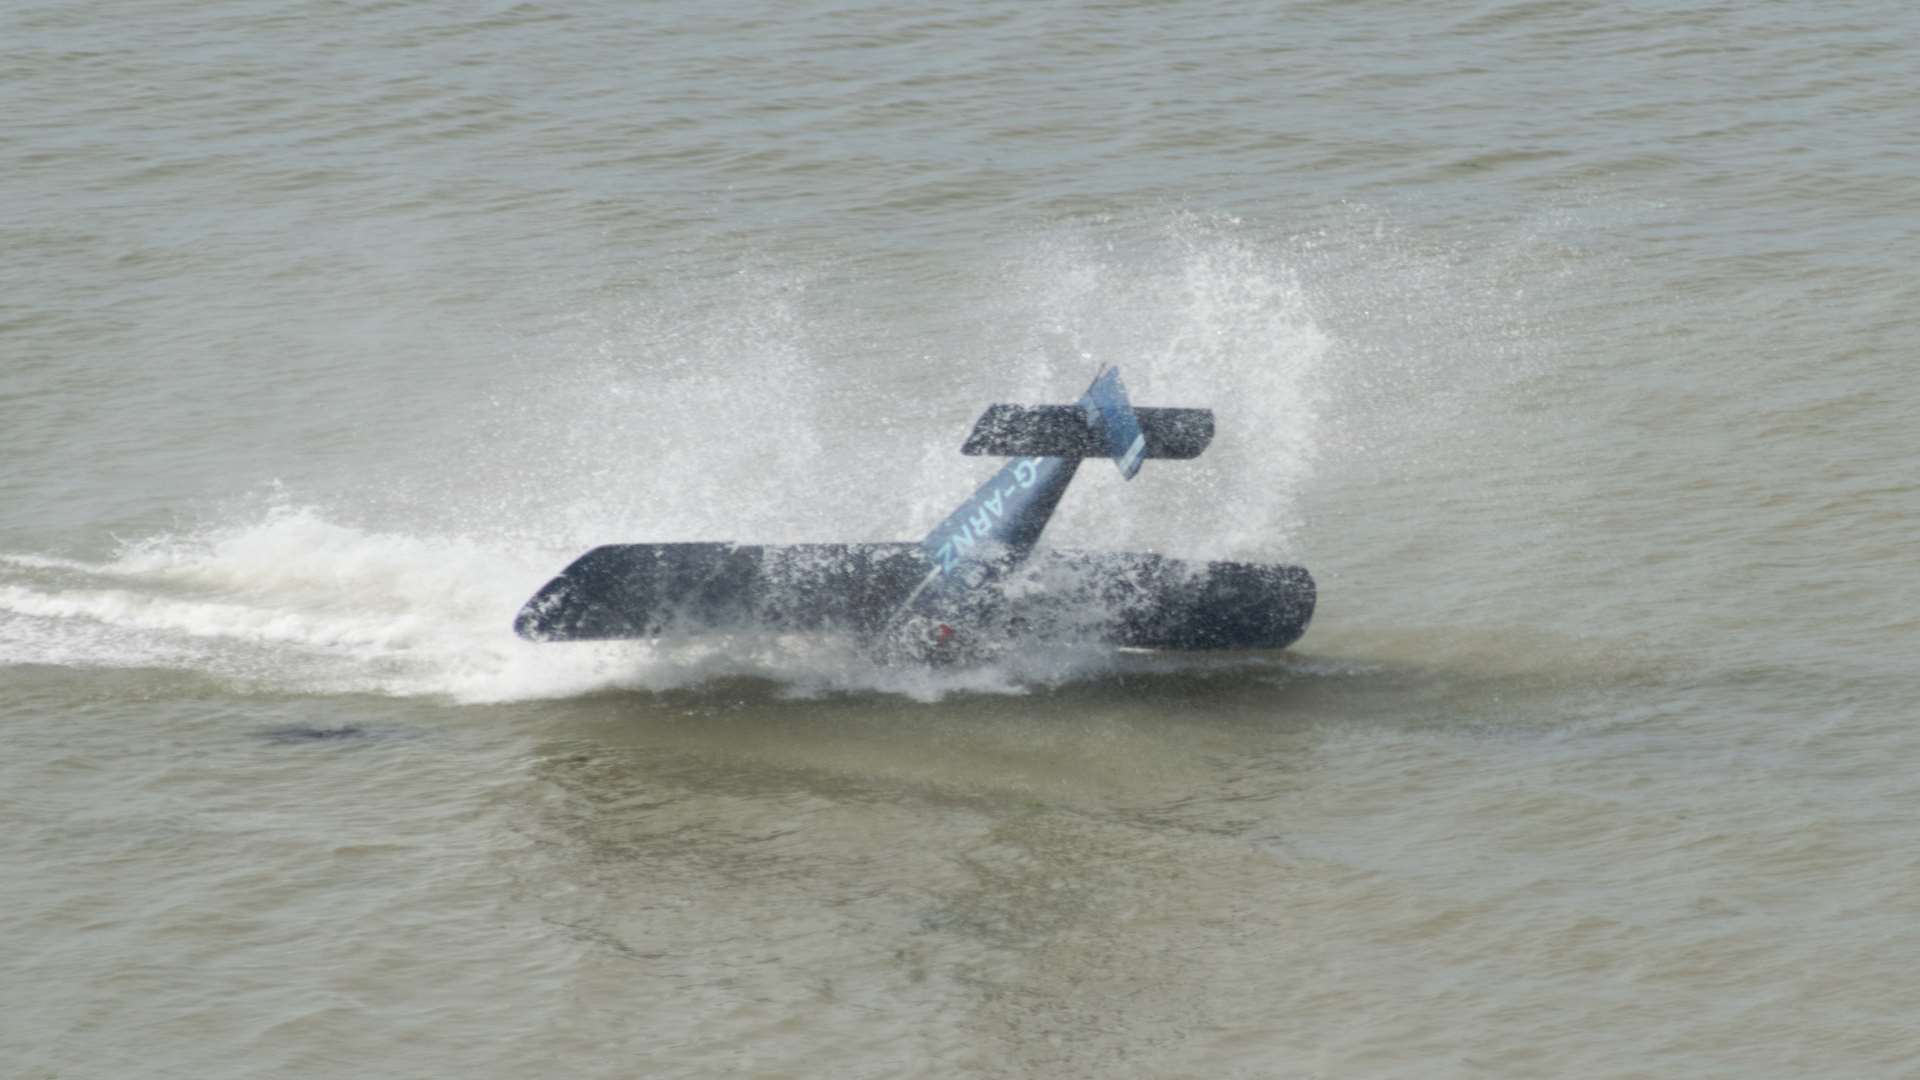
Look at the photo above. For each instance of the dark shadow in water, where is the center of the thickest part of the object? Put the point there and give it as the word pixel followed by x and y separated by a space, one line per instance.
pixel 304 734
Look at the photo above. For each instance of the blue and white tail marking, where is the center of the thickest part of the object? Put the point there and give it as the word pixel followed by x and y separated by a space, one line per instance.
pixel 1112 418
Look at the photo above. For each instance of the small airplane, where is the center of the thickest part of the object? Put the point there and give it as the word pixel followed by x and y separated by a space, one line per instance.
pixel 979 583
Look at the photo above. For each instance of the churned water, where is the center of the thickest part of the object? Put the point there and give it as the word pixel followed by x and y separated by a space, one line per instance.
pixel 1569 345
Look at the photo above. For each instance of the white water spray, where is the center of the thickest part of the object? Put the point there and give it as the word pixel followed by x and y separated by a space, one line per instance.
pixel 751 417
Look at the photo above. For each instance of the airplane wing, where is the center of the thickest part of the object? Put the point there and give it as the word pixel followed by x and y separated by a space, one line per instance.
pixel 1123 599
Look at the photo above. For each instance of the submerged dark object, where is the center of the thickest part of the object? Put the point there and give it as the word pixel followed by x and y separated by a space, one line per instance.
pixel 976 578
pixel 295 734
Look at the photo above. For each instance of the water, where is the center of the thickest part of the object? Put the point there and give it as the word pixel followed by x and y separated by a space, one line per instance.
pixel 1566 345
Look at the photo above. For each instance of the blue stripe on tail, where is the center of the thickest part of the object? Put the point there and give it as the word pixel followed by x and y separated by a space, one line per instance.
pixel 1111 415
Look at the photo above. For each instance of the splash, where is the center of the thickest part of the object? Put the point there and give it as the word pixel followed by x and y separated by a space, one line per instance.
pixel 766 409
pixel 1196 314
pixel 295 602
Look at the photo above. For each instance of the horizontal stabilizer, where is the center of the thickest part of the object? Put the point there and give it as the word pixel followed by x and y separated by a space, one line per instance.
pixel 1063 431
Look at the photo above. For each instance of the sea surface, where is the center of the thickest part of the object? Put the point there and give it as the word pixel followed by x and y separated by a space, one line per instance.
pixel 1570 345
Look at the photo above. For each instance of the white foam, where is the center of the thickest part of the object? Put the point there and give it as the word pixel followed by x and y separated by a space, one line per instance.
pixel 203 619
pixel 49 562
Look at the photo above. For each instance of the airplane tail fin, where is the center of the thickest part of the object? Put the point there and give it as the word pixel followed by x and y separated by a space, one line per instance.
pixel 1102 424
